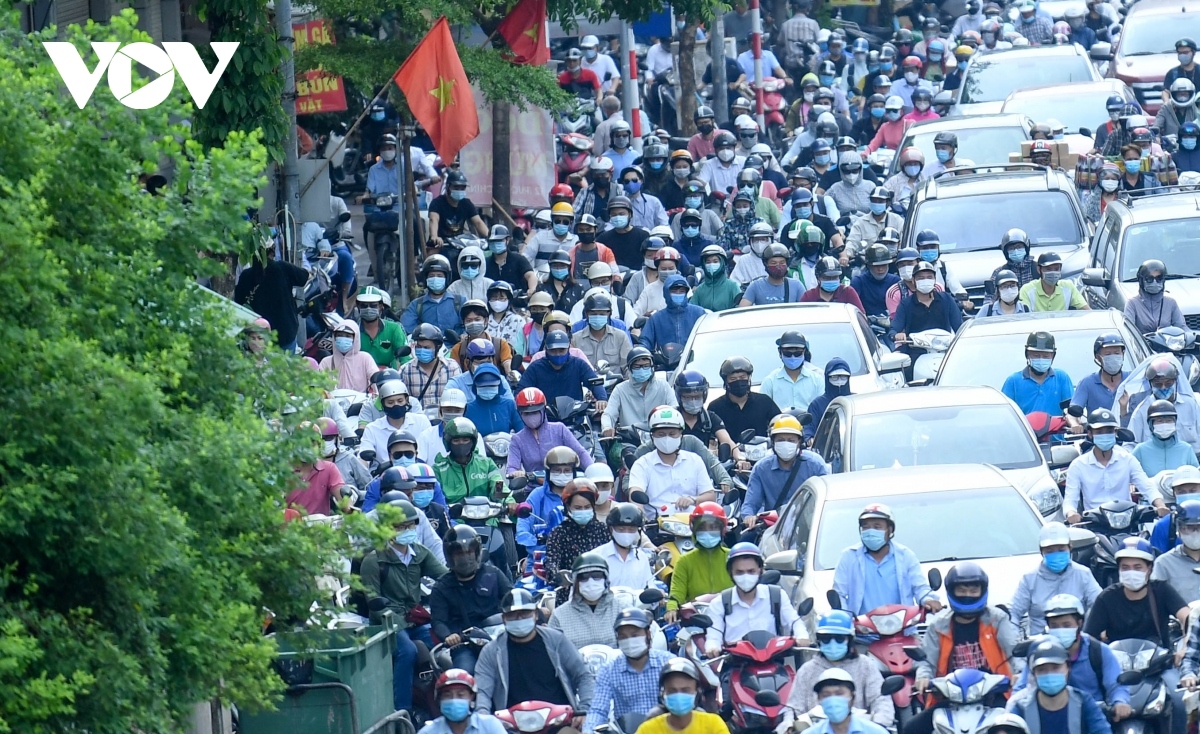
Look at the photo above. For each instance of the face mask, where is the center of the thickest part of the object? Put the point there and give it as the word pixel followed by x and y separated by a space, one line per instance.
pixel 1112 363
pixel 498 306
pixel 877 208
pixel 742 211
pixel 475 328
pixel 962 66
pixel 330 448
pixel 725 155
pixel 559 273
pixel 591 589
pixel 826 80
pixel 455 709
pixel 667 444
pixel 597 322
pixel 693 202
pixel 821 159
pixel 620 143
pixel 708 539
pixel 1191 541
pixel 1051 684
pixel 633 647
pixel 408 537
pixel 396 412
pixel 792 363
pixel 746 581
pixel 692 406
pixel 560 479
pixel 601 181
pixel 1017 254
pixel 641 374
pixel 1109 184
pixel 851 177
pixel 1065 635
pixel 1164 393
pixel 1041 365
pixel 422 497
pixel 488 393
pixel 388 155
pixel 558 360
pixel 377 115
pixel 1008 295
pixel 877 112
pixel 532 420
pixel 1164 430
pixel 872 539
pixel 561 229
pixel 1132 580
pixel 706 128
pixel 370 314
pixel 738 388
pixel 906 271
pixel 343 343
pixel 912 171
pixel 497 247
pixel 893 115
pixel 1133 166
pixel 632 187
pixel 1152 288
pixel 1188 143
pixel 1184 59
pixel 1057 561
pixel 625 540
pixel 925 286
pixel 582 517
pixel 680 704
pixel 786 450
pixel 678 300
pixel 470 273
pixel 804 212
pixel 657 165
pixel 519 627
pixel 935 56
pixel 458 195
pixel 403 461
pixel 836 708
pixel 620 221
pixel 910 77
pixel 943 155
pixel 436 284
pixel 690 232
pixel 829 286
pixel 834 649
pixel 839 381
pixel 1105 441
pixel 873 68
pixel 424 355
pixel 1051 277
pixel 1027 20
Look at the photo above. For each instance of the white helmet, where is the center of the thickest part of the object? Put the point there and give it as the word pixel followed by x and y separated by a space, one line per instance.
pixel 395 387
pixel 762 149
pixel 1053 533
pixel 1136 121
pixel 452 397
pixel 664 416
pixel 1183 85
pixel 662 230
pixel 599 472
pixel 745 122
pixel 893 102
pixel 589 42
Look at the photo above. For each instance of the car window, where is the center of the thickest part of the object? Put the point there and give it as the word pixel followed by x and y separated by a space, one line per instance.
pixel 993 78
pixel 757 344
pixel 994 522
pixel 1176 242
pixel 804 521
pixel 1074 111
pixel 1144 35
pixel 989 360
pixel 967 223
pixel 1112 234
pixel 872 342
pixel 983 146
pixel 959 434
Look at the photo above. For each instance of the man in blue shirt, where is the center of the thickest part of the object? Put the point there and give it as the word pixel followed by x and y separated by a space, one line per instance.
pixel 559 373
pixel 435 306
pixel 629 683
pixel 491 411
pixel 879 571
pixel 1053 704
pixel 1099 389
pixel 777 477
pixel 1039 387
pixel 1185 483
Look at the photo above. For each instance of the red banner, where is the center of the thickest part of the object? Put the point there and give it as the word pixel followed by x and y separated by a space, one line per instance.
pixel 317 91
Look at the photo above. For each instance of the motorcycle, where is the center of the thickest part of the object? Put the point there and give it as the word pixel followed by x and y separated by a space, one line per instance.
pixel 930 346
pixel 669 531
pixel 347 172
pixel 578 118
pixel 577 415
pixel 1181 343
pixel 498 540
pixel 1112 522
pixel 1142 664
pixel 536 717
pixel 497 445
pixel 386 240
pixel 816 714
pixel 966 690
pixel 575 152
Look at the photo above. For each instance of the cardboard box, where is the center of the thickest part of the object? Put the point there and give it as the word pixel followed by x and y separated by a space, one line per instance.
pixel 1015 158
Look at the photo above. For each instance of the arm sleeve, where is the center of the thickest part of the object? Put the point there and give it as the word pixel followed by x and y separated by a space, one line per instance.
pixel 716 612
pixel 1073 499
pixel 679 585
pixel 954 311
pixel 439 611
pixel 841 576
pixel 584 683
pixel 1148 489
pixel 585 456
pixel 1019 606
pixel 916 579
pixel 754 494
pixel 369 573
pixel 883 711
pixel 1096 621
pixel 485 678
pixel 429 538
pixel 1096 721
pixel 930 645
pixel 601 699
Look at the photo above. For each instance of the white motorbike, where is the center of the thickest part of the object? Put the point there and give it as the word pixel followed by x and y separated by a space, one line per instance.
pixel 934 342
pixel 965 691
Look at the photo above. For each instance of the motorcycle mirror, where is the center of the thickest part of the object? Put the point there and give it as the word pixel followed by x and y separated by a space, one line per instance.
pixel 914 652
pixel 595 381
pixel 893 684
pixel 628 460
pixel 805 607
pixel 524 510
pixel 1075 411
pixel 835 601
pixel 806 419
pixel 935 578
pixel 700 621
pixel 724 452
pixel 767 698
pixel 637 496
pixel 456 511
pixel 1085 132
pixel 404 351
pixel 747 436
pixel 639 322
pixel 518 482
pixel 651 596
pixel 377 603
pixel 1064 404
pixel 450 336
pixel 1130 678
pixel 493 621
pixel 344 217
pixel 1021 649
pixel 367 455
pixel 1124 435
pixel 770 576
pixel 563 577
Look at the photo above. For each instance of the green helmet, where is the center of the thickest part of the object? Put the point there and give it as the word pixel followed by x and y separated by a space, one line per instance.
pixel 371 294
pixel 459 428
pixel 803 231
pixel 586 562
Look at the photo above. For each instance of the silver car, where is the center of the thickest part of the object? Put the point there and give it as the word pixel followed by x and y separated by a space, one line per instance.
pixel 992 76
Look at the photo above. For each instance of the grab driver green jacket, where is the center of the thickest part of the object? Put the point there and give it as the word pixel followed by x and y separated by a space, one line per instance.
pixel 474 479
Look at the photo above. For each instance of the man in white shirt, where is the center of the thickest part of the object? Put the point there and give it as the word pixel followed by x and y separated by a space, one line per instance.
pixel 668 475
pixel 659 60
pixel 1106 472
pixel 602 65
pixel 394 397
pixel 628 564
pixel 749 605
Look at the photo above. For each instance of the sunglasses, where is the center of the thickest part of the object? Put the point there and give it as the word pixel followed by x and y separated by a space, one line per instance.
pixel 791 353
pixel 404 455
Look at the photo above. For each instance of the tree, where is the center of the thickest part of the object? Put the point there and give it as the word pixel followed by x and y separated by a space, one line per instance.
pixel 143 466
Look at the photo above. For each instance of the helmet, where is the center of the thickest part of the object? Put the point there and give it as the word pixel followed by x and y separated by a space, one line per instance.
pixel 562 208
pixel 724 139
pixel 894 103
pixel 1107 339
pixel 922 94
pixel 905 254
pixel 462 539
pixel 1161 409
pixel 928 237
pixel 877 254
pixel 633 617
pixel 475 305
pixel 946 139
pixel 690 381
pixel 749 177
pixel 761 229
pixel 454 677
pixel 786 425
pixel 682 666
pixel 435 262
pixel 791 339
pixel 561 191
pixel 880 192
pixel 664 416
pixel 1039 147
pixel 459 428
pixel 560 455
pixel 735 364
pixel 600 164
pixel 1161 367
pixel 1185 43
pixel 1151 266
pixel 911 62
pixel 502 286
pixel 580 487
pixel 620 126
pixel 620 202
pixel 1006 276
pixel 396 478
pixel 681 155
pixel 835 622
pixel 667 253
pixel 557 317
pixel 1006 720
pixel 827 264
pixel 966 573
pixel 421 473
pixel 401 437
pixel 1135 547
pixel 1014 236
pixel 902 36
pixel 391 388
pixel 1061 605
pixel 1142 135
pixel 597 302
pixel 590 561
pixel 707 509
pixel 408 512
pixel 1187 513
pixel 912 155
pixel 834 676
pixel 889 236
pixel 518 600
pixel 966 50
pixel 541 299
pixel 328 427
pixel 750 550
pixel 774 249
pixel 877 511
pixel 654 150
pixel 1046 650
pixel 702 112
pixel 455 178
pixel 480 349
pixel 452 397
pixel 530 398
pixel 1040 340
pixel 625 514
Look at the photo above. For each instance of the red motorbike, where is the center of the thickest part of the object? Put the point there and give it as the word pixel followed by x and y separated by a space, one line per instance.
pixel 536 717
pixel 758 669
pixel 576 153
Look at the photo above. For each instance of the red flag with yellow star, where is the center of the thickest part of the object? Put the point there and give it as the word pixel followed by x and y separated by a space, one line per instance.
pixel 524 28
pixel 438 92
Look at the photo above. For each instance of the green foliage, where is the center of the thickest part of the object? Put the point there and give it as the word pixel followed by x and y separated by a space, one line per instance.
pixel 145 456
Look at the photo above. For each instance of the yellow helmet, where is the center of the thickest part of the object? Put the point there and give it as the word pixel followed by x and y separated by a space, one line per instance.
pixel 785 424
pixel 557 317
pixel 562 207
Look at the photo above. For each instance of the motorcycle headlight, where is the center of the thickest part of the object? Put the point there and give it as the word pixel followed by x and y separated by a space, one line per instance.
pixel 1143 658
pixel 1123 659
pixel 1155 707
pixel 1175 343
pixel 674 527
pixel 477 512
pixel 941 343
pixel 531 721
pixel 757 452
pixel 383 202
pixel 1119 520
pixel 889 624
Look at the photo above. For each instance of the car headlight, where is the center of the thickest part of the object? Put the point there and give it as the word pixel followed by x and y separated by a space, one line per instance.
pixel 1047 499
pixel 889 624
pixel 1155 707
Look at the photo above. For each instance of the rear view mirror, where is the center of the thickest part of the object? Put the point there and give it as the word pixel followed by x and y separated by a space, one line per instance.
pixel 1021 649
pixel 344 217
pixel 637 496
pixel 806 419
pixel 1130 678
pixel 518 482
pixel 1124 435
pixel 403 351
pixel 914 652
pixel 724 452
pixel 1086 132
pixel 835 601
pixel 935 578
pixel 747 436
pixel 786 562
pixel 1075 411
pixel 651 596
pixel 701 621
pixel 806 606
pixel 770 576
pixel 892 684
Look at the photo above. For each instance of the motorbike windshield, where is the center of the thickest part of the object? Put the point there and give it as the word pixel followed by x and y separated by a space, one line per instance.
pixel 1011 528
pixel 1174 241
pixel 970 434
pixel 968 223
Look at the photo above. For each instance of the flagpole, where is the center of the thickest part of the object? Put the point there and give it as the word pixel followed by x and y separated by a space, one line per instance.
pixel 349 132
pixel 488 40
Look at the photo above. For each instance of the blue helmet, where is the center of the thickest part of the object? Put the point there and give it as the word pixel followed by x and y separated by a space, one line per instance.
pixel 743 550
pixel 1115 103
pixel 966 573
pixel 928 236
pixel 1187 513
pixel 839 622
pixel 861 46
pixel 690 381
pixel 907 253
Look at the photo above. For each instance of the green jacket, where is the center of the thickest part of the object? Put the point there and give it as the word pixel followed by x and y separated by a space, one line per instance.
pixel 402 587
pixel 383 348
pixel 716 294
pixel 699 571
pixel 475 479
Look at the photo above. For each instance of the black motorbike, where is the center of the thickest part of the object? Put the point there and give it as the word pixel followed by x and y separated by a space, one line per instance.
pixel 1112 522
pixel 1143 663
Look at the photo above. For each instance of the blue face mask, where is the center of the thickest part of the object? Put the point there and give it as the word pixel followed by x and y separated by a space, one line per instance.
pixel 455 709
pixel 558 360
pixel 834 649
pixel 408 537
pixel 559 273
pixel 656 165
pixel 929 256
pixel 377 116
pixel 422 497
pixel 826 80
pixel 1065 635
pixel 1105 441
pixel 872 68
pixel 424 355
pixel 497 247
pixel 792 363
pixel 836 708
pixel 1057 561
pixel 488 393
pixel 1017 254
pixel 641 374
pixel 1188 143
pixel 561 229
pixel 713 268
pixel 872 539
pixel 804 212
pixel 458 195
pixel 404 461
pixel 1164 393
pixel 829 286
pixel 962 66
pixel 470 273
pixel 1051 684
pixel 885 66
pixel 877 112
pixel 708 539
pixel 878 208
pixel 693 202
pixel 690 232
pixel 343 344
pixel 821 159
pixel 943 155
pixel 582 517
pixel 680 704
pixel 620 221
pixel 1028 20
pixel 679 300
pixel 747 190
pixel 597 322
pixel 632 187
pixel 912 170
pixel 1133 166
pixel 1041 365
pixel 436 284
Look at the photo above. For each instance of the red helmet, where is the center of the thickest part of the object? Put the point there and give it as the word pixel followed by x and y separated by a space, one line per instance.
pixel 667 253
pixel 708 509
pixel 531 397
pixel 911 61
pixel 455 677
pixel 561 192
pixel 912 155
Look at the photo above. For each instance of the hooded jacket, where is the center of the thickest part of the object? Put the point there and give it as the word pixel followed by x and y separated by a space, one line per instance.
pixel 872 292
pixel 716 292
pixel 1156 455
pixel 355 367
pixel 673 323
pixel 465 290
pixel 817 407
pixel 495 415
pixel 492 673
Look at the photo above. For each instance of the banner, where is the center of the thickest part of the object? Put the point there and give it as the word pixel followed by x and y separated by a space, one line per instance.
pixel 531 156
pixel 854 3
pixel 317 91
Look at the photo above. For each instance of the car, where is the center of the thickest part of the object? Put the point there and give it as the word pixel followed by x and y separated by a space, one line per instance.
pixel 1145 51
pixel 987 351
pixel 1079 107
pixel 1162 226
pixel 944 514
pixel 832 330
pixel 937 425
pixel 993 76
pixel 985 140
pixel 971 211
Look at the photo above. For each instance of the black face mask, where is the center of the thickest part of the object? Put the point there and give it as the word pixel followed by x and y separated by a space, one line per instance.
pixel 586 238
pixel 738 388
pixel 461 450
pixel 396 412
pixel 705 129
pixel 537 316
pixel 601 181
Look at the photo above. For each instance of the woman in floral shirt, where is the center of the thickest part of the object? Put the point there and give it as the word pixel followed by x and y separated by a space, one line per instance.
pixel 579 533
pixel 505 322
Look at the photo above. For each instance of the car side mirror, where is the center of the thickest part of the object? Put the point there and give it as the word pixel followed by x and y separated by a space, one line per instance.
pixel 747 436
pixel 893 684
pixel 724 452
pixel 935 578
pixel 767 699
pixel 943 99
pixel 651 596
pixel 639 497
pixel 835 601
pixel 1101 51
pixel 787 563
pixel 1095 277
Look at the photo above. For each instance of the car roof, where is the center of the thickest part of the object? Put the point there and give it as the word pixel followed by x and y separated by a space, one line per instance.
pixel 911 479
pixel 1161 207
pixel 1069 49
pixel 889 401
pixel 990 181
pixel 967 122
pixel 780 314
pixel 1116 86
pixel 1025 323
pixel 1157 7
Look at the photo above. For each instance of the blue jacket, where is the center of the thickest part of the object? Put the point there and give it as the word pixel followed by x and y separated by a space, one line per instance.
pixel 766 489
pixel 873 293
pixel 1083 715
pixel 672 324
pixel 549 508
pixel 372 497
pixel 1157 455
pixel 849 578
pixel 691 247
pixel 496 415
pixel 465 381
pixel 1084 37
pixel 1082 676
pixel 816 408
pixel 1187 160
pixel 442 314
pixel 1160 534
pixel 568 380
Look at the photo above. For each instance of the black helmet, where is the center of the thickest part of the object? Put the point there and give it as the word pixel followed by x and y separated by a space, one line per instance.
pixel 455 178
pixel 806 173
pixel 792 339
pixel 463 539
pixel 625 514
pixel 749 176
pixel 1185 43
pixel 827 264
pixel 922 94
pixel 597 302
pixel 775 249
pixel 889 236
pixel 702 112
pixel 1108 339
pixel 1014 236
pixel 1161 409
pixel 846 142
pixel 928 236
pixel 395 478
pixel 880 192
pixel 682 666
pixel 731 365
pixel 383 376
pixel 1103 418
pixel 876 99
pixel 946 139
pixel 428 332
pixel 754 161
pixel 518 600
pixel 1042 341
pixel 637 353
pixel 402 504
pixel 562 257
pixel 1006 276
pixel 1151 266
pixel 1049 258
pixel 501 286
pixel 877 254
pixel 724 139
pixel 827 130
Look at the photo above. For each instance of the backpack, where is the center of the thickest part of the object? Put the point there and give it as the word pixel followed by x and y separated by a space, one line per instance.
pixel 776 596
pixel 1095 657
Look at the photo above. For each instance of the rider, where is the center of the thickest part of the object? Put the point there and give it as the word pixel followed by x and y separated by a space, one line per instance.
pixel 352 366
pixel 629 564
pixel 929 246
pixel 1178 565
pixel 865 571
pixel 891 132
pixel 678 684
pixel 740 408
pixel 852 194
pixel 633 399
pixel 945 147
pixel 562 374
pixel 776 287
pixel 873 282
pixel 429 373
pixel 906 264
pixel 435 306
pixel 667 262
pixel 542 244
pixel 456 692
pixel 578 81
pixel 829 287
pixel 668 475
pixel 835 691
pixel 1163 451
pixel 578 533
pixel 903 184
pixel 531 444
pixel 673 324
pixel 629 683
pixel 491 411
pixel 927 308
pixel 395 400
pixel 380 337
pixel 1057 574
pixel 506 263
pixel 1039 387
pixel 866 228
pixel 775 479
pixel 797 381
pixel 701 570
pixel 475 315
pixel 716 291
pixel 691 390
pixel 1163 377
pixel 1106 472
pixel 837 651
pixel 1151 309
pixel 478 353
pixel 466 596
pixel 623 237
pixel 589 616
pixel 748 605
pixel 560 467
pixel 450 212
pixel 1050 292
pixel 1015 246
pixel 751 237
pixel 1185 484
pixel 837 384
pixel 619 151
pixel 1099 389
pixel 1050 698
pixel 462 472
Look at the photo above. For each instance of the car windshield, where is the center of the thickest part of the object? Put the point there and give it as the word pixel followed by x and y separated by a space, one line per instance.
pixel 1157 34
pixel 983 146
pixel 1074 111
pixel 958 434
pixel 825 341
pixel 989 360
pixel 1176 242
pixel 991 80
pixel 922 520
pixel 967 223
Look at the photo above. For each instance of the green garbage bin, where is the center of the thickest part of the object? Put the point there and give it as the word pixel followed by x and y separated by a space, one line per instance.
pixel 359 659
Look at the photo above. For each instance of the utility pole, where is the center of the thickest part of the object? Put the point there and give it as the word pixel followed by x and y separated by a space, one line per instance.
pixel 290 200
pixel 720 82
pixel 629 90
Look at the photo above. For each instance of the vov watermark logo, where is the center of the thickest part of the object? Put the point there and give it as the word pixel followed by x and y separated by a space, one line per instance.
pixel 118 61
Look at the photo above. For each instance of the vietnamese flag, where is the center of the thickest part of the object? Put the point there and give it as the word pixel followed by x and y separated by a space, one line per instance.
pixel 524 28
pixel 438 92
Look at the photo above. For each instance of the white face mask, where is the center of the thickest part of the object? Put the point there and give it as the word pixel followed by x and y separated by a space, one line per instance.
pixel 499 306
pixel 925 285
pixel 388 155
pixel 1109 184
pixel 910 77
pixel 625 540
pixel 667 444
pixel 592 589
pixel 725 155
pixel 1190 540
pixel 603 496
pixel 1132 580
pixel 1008 295
pixel 786 450
pixel 746 581
pixel 906 272
pixel 634 647
pixel 330 448
pixel 560 479
pixel 1164 430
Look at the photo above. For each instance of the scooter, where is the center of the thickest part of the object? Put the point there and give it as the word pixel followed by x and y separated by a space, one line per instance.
pixel 576 151
pixel 1112 522
pixel 932 344
pixel 774 110
pixel 1181 343
pixel 1143 663
pixel 578 118
pixel 536 717
pixel 668 530
pixel 758 669
pixel 966 689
